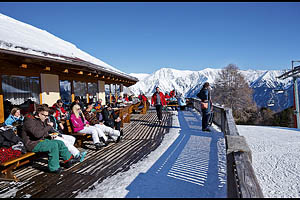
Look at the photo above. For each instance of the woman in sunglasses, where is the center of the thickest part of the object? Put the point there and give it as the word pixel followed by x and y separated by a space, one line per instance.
pixel 81 125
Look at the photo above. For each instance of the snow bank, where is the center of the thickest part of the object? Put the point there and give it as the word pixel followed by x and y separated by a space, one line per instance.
pixel 275 159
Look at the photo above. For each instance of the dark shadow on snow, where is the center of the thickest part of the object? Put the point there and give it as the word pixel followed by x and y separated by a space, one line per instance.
pixel 162 181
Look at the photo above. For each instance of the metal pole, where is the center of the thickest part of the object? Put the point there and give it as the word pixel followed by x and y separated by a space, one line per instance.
pixel 297 102
pixel 296 97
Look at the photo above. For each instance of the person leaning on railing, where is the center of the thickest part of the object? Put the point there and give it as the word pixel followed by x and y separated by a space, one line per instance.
pixel 206 105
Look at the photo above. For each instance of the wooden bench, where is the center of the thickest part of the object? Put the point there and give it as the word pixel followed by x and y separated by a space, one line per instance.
pixel 173 105
pixel 143 110
pixel 124 114
pixel 8 166
pixel 80 137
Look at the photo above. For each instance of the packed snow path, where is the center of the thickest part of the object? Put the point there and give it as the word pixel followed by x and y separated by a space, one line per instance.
pixel 193 165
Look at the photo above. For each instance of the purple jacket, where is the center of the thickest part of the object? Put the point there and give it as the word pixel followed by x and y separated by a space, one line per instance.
pixel 77 123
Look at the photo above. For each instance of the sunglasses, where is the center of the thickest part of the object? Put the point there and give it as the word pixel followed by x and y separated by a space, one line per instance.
pixel 44 115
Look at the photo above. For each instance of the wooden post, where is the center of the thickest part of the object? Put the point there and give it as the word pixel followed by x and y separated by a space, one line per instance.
pixel 101 91
pixel 41 95
pixel 72 91
pixel 110 99
pixel 87 94
pixel 1 102
pixel 116 93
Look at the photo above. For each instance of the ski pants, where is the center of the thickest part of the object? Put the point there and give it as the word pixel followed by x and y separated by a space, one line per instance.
pixel 95 132
pixel 55 149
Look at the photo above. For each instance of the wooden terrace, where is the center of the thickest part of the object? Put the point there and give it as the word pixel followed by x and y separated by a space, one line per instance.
pixel 141 136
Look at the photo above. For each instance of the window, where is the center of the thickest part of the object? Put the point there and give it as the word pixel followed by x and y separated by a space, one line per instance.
pixel 80 90
pixel 65 92
pixel 20 91
pixel 107 91
pixel 92 90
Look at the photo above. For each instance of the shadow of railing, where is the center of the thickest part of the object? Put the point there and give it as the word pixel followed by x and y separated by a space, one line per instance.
pixel 188 168
pixel 241 179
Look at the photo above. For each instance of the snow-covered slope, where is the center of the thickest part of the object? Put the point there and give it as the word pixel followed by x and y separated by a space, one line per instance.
pixel 275 159
pixel 189 84
pixel 25 38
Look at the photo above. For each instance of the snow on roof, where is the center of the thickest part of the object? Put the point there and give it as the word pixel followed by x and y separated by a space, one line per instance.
pixel 25 38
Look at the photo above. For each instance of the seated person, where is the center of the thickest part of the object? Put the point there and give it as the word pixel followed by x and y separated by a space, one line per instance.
pixel 167 97
pixel 27 107
pixel 81 125
pixel 173 101
pixel 77 101
pixel 181 102
pixel 142 99
pixel 68 140
pixel 98 105
pixel 60 112
pixel 91 117
pixel 14 117
pixel 125 98
pixel 35 135
pixel 110 118
pixel 120 99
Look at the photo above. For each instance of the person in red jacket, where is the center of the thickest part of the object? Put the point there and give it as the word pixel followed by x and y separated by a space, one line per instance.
pixel 172 93
pixel 60 112
pixel 158 99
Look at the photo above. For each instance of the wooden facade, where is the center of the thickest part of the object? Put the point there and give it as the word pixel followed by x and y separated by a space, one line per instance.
pixel 22 64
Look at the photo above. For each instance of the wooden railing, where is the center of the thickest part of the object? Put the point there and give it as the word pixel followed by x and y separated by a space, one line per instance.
pixel 241 179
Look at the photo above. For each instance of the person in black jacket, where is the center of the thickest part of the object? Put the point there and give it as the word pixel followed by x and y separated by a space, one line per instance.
pixel 77 101
pixel 205 97
pixel 110 118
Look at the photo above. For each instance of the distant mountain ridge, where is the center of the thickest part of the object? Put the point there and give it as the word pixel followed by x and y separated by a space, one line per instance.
pixel 189 84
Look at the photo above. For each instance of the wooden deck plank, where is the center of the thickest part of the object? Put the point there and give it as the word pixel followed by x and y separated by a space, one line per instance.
pixel 141 136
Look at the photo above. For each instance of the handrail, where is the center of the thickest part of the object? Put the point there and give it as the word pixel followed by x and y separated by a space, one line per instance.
pixel 241 179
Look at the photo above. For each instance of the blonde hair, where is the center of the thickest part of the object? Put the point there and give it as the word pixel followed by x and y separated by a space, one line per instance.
pixel 75 110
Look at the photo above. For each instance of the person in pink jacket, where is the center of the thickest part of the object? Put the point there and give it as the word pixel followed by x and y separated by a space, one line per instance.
pixel 81 125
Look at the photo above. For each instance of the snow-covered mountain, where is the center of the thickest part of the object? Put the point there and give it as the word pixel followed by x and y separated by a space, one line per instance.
pixel 189 83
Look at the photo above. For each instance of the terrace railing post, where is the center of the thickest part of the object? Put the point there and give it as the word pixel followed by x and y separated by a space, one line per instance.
pixel 241 179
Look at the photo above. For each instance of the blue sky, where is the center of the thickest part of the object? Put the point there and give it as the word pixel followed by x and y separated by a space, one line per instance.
pixel 142 37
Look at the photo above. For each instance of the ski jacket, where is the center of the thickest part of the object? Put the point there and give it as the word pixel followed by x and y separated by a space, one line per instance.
pixel 58 111
pixel 11 119
pixel 162 99
pixel 77 123
pixel 204 95
pixel 34 130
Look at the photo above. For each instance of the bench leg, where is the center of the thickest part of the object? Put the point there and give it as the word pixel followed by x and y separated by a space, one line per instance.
pixel 78 142
pixel 7 174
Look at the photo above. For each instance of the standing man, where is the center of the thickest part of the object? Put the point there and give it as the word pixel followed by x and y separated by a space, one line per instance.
pixel 205 97
pixel 158 99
